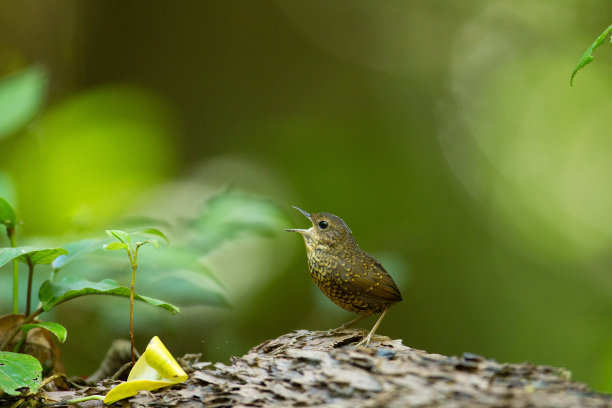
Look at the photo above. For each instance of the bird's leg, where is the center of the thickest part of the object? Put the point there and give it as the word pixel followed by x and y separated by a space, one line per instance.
pixel 348 324
pixel 368 338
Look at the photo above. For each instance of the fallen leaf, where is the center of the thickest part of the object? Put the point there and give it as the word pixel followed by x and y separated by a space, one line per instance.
pixel 156 368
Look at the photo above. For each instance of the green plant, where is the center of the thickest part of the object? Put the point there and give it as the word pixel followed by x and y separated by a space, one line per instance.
pixel 19 371
pixel 587 57
pixel 176 272
pixel 225 217
pixel 124 241
pixel 9 219
pixel 53 293
pixel 31 257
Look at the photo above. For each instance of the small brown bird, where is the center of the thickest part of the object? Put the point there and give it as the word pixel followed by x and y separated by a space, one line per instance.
pixel 350 277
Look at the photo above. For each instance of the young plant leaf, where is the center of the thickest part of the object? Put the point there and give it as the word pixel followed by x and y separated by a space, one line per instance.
pixel 21 97
pixel 149 241
pixel 7 214
pixel 75 250
pixel 156 232
pixel 114 246
pixel 70 287
pixel 587 57
pixel 120 236
pixel 156 368
pixel 8 254
pixel 18 371
pixel 60 331
pixel 42 256
pixel 232 215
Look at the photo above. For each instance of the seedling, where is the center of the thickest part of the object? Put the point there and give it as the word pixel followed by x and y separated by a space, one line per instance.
pixel 21 371
pixel 21 98
pixel 224 218
pixel 124 241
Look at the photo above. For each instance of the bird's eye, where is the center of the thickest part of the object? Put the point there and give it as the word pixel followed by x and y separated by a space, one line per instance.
pixel 323 224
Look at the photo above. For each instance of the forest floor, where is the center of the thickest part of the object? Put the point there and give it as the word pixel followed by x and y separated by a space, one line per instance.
pixel 306 368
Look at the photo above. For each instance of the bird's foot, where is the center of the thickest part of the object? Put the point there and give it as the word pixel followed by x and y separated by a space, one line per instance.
pixel 347 324
pixel 365 342
pixel 339 329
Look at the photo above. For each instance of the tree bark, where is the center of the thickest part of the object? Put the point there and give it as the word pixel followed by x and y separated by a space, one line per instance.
pixel 307 368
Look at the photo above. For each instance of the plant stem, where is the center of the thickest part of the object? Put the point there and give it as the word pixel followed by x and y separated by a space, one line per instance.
pixel 82 399
pixel 16 329
pixel 22 340
pixel 30 277
pixel 13 238
pixel 133 261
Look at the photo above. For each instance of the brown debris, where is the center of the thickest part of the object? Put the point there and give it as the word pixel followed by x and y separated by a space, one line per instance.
pixel 306 368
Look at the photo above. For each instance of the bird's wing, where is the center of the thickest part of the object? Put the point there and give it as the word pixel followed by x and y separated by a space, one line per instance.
pixel 371 282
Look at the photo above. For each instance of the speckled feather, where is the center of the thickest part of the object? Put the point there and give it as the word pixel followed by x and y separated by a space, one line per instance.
pixel 350 277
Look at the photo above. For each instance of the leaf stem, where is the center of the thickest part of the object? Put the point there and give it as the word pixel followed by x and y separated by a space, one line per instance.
pixel 134 262
pixel 12 235
pixel 30 278
pixel 20 342
pixel 16 329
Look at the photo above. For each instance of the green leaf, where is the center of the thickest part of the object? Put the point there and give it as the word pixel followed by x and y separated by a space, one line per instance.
pixel 42 256
pixel 120 236
pixel 587 57
pixel 18 371
pixel 8 254
pixel 27 253
pixel 75 250
pixel 148 241
pixel 8 189
pixel 21 97
pixel 55 328
pixel 156 232
pixel 233 215
pixel 70 287
pixel 137 222
pixel 7 214
pixel 114 246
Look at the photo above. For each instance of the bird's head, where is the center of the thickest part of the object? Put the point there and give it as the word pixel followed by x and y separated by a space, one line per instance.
pixel 327 230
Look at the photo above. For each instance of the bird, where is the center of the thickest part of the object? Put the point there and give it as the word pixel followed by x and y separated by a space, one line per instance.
pixel 346 274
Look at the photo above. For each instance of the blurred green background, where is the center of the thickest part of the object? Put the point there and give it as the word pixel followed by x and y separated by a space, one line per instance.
pixel 444 133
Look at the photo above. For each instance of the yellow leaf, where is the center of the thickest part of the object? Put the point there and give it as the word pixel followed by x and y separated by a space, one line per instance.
pixel 156 368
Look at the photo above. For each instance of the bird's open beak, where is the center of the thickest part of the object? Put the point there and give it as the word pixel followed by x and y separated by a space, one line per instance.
pixel 303 212
pixel 301 231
